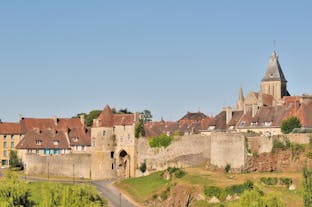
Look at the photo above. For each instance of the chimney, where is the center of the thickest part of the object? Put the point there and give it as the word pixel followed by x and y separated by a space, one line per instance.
pixel 255 109
pixel 20 117
pixel 55 119
pixel 82 119
pixel 229 113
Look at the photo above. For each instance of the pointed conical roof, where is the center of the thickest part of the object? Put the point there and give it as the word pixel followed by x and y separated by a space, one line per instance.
pixel 106 118
pixel 274 70
pixel 241 94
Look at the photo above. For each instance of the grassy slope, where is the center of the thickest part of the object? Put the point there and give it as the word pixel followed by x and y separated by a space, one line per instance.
pixel 142 188
pixel 145 187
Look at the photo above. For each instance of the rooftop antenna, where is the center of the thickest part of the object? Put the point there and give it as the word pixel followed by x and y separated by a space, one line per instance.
pixel 274 45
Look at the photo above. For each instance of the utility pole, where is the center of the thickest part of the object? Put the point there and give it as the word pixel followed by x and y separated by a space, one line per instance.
pixel 120 199
pixel 74 173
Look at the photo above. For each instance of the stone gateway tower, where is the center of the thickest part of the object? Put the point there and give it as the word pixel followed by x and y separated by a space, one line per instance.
pixel 114 144
pixel 274 82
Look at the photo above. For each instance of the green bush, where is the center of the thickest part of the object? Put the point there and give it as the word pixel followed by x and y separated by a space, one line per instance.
pixel 180 173
pixel 269 180
pixel 239 189
pixel 286 181
pixel 165 194
pixel 143 167
pixel 255 199
pixel 227 168
pixel 211 191
pixel 296 149
pixel 289 124
pixel 282 145
pixel 177 172
pixel 309 154
pixel 160 141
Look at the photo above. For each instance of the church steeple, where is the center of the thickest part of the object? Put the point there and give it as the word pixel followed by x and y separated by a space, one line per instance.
pixel 274 71
pixel 274 82
pixel 241 99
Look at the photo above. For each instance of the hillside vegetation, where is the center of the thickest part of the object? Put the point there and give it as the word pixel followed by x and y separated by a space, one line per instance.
pixel 198 186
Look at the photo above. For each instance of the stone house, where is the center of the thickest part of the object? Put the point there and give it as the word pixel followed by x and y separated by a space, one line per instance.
pixel 10 135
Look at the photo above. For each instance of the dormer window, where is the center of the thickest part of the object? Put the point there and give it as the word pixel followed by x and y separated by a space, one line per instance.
pixel 38 142
pixel 75 139
pixel 253 123
pixel 267 123
pixel 241 124
pixel 56 142
pixel 231 127
pixel 211 127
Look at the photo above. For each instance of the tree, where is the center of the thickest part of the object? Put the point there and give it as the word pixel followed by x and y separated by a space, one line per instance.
pixel 289 124
pixel 147 116
pixel 92 115
pixel 139 129
pixel 307 186
pixel 14 161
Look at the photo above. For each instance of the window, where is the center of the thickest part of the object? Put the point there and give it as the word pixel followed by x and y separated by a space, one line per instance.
pixel 5 145
pixel 112 166
pixel 112 154
pixel 211 127
pixel 104 133
pixel 253 123
pixel 4 136
pixel 5 153
pixel 12 144
pixel 12 136
pixel 93 143
pixel 56 142
pixel 4 162
pixel 82 148
pixel 38 142
pixel 267 123
pixel 75 139
pixel 241 124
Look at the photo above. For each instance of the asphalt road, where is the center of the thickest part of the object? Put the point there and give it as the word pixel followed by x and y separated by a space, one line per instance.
pixel 115 198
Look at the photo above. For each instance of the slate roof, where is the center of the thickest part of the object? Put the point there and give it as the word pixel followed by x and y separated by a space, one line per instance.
pixel 274 70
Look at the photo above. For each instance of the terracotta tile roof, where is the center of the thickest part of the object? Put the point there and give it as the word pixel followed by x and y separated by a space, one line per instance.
pixel 108 119
pixel 47 138
pixel 82 135
pixel 198 116
pixel 52 128
pixel 50 123
pixel 190 123
pixel 219 121
pixel 10 128
pixel 304 113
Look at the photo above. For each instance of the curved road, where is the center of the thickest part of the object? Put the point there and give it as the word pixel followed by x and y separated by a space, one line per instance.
pixel 105 189
pixel 115 198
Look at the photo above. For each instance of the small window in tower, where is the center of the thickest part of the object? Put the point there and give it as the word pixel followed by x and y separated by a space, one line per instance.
pixel 104 133
pixel 112 154
pixel 112 166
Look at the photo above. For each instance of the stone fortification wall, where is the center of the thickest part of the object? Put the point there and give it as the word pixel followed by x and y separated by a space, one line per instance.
pixel 299 138
pixel 260 144
pixel 228 148
pixel 184 151
pixel 78 165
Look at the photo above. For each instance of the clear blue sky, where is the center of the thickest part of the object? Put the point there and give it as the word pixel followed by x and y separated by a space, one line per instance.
pixel 65 57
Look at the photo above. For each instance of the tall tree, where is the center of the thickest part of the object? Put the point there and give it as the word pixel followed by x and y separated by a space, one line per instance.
pixel 147 116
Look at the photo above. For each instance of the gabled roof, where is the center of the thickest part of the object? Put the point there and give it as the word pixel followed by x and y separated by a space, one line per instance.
pixel 47 138
pixel 197 116
pixel 274 71
pixel 10 128
pixel 50 123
